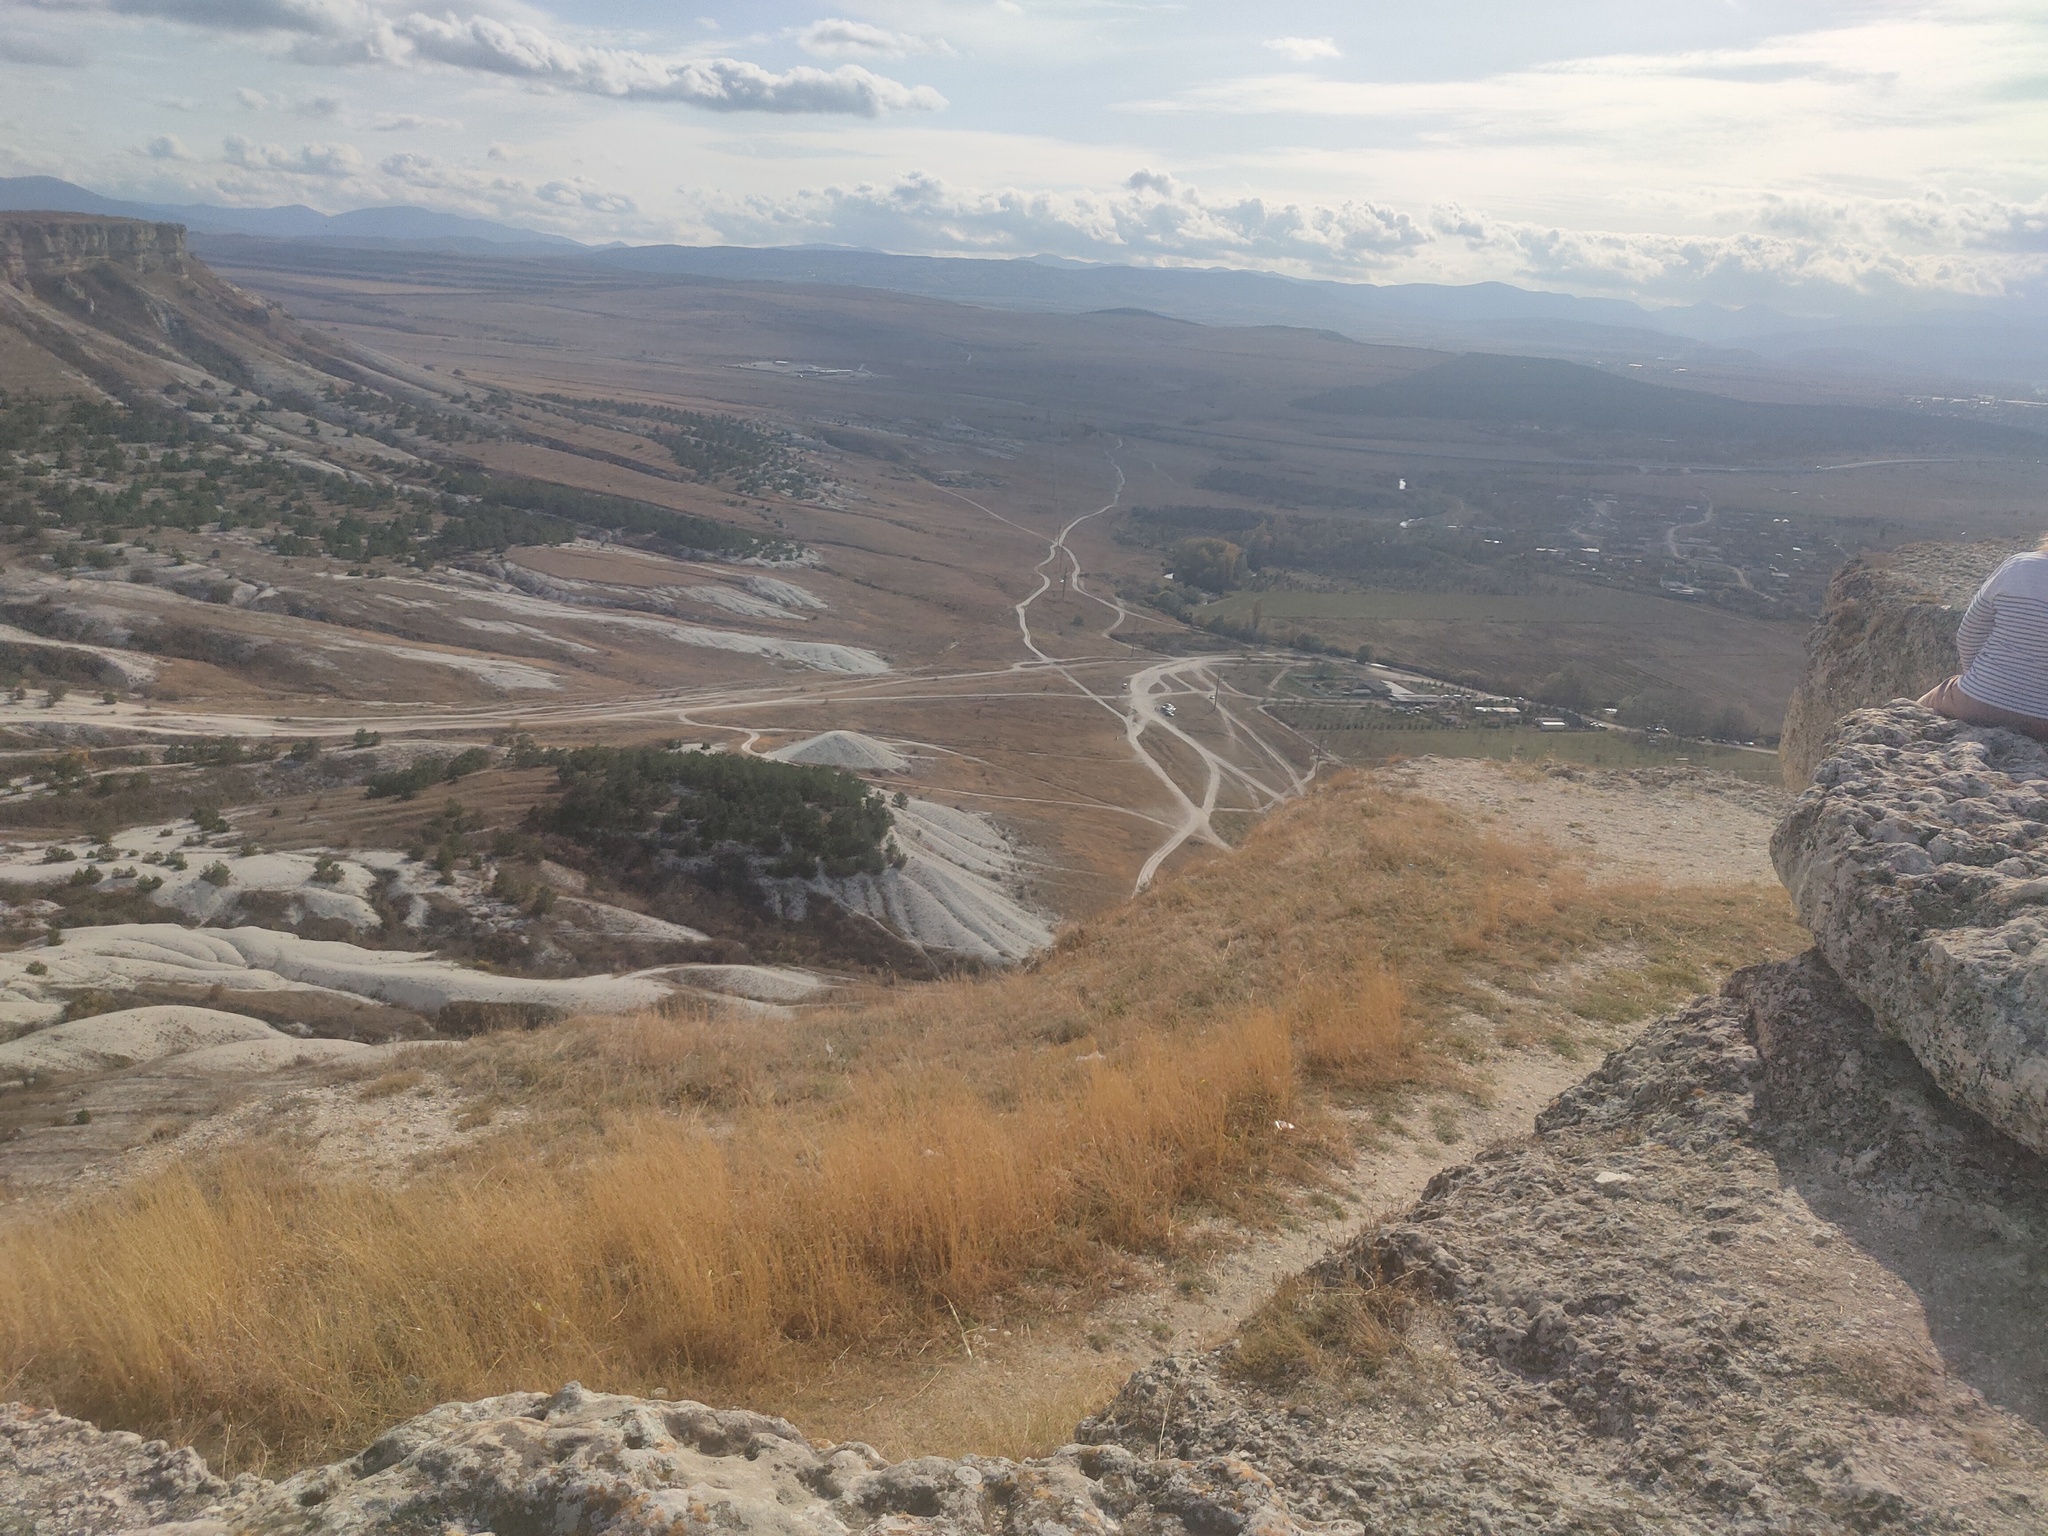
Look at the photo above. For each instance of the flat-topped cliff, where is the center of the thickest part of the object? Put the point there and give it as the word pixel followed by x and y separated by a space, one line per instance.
pixel 57 245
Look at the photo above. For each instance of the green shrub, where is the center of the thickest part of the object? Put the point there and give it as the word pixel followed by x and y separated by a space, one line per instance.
pixel 800 819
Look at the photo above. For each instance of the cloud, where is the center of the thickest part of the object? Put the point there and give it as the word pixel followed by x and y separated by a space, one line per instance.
pixel 491 46
pixel 413 122
pixel 584 195
pixel 313 106
pixel 1152 219
pixel 353 32
pixel 314 17
pixel 1790 251
pixel 1809 254
pixel 167 146
pixel 1304 50
pixel 33 48
pixel 836 37
pixel 328 160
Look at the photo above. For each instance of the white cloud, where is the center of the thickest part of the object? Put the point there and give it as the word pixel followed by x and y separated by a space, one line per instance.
pixel 578 193
pixel 721 85
pixel 167 146
pixel 332 32
pixel 836 37
pixel 1152 219
pixel 312 106
pixel 328 160
pixel 413 122
pixel 1304 50
pixel 1773 251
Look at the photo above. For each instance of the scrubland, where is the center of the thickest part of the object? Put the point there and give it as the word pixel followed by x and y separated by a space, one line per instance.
pixel 734 1210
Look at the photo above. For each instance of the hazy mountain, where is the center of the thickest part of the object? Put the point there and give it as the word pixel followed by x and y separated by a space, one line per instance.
pixel 1959 343
pixel 291 222
pixel 1975 339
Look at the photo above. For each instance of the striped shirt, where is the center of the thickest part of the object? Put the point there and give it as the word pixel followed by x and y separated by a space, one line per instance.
pixel 2004 638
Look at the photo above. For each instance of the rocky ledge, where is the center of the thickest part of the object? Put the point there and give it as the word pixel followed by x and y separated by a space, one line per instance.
pixel 582 1463
pixel 1699 1299
pixel 1919 858
pixel 1886 631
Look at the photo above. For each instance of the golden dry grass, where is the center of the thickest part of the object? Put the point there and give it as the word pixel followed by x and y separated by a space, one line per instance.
pixel 718 1207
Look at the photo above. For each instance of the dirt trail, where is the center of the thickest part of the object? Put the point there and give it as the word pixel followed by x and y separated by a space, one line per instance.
pixel 1144 692
pixel 1015 1385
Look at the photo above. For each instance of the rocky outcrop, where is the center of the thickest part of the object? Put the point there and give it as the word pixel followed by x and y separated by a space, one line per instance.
pixel 582 1463
pixel 1635 1322
pixel 1887 631
pixel 63 245
pixel 1919 858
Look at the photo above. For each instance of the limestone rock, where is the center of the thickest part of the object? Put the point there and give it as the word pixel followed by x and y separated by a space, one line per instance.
pixel 1887 631
pixel 581 1463
pixel 1669 1355
pixel 1919 858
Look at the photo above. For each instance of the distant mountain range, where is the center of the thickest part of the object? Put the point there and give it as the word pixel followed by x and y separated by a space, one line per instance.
pixel 292 222
pixel 1994 344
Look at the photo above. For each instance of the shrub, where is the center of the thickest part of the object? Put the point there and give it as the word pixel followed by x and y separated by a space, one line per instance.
pixel 327 870
pixel 694 804
pixel 217 873
pixel 406 783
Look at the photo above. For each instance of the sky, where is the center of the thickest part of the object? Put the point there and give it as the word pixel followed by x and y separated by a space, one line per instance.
pixel 1812 155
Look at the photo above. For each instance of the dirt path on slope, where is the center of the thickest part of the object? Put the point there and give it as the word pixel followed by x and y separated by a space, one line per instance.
pixel 1020 1388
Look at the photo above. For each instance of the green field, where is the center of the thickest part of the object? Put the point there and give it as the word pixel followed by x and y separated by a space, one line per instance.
pixel 1595 749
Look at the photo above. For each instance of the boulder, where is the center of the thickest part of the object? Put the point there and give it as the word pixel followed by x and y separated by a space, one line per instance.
pixel 1887 630
pixel 1919 858
pixel 580 1463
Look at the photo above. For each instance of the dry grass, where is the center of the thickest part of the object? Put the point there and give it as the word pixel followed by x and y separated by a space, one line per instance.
pixel 1309 1335
pixel 718 1208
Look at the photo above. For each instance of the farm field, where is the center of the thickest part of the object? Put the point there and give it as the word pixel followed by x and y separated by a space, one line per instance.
pixel 1620 643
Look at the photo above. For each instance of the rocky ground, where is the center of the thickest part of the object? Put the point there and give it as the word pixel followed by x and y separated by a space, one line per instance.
pixel 1713 1292
pixel 1919 858
pixel 1685 1305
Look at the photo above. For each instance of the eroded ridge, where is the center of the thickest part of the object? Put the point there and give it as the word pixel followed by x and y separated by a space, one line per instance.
pixel 1919 858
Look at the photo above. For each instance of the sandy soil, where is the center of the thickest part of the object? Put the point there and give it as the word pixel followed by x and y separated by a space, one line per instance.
pixel 1682 825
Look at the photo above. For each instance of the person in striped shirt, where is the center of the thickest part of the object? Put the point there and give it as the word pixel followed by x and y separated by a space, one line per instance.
pixel 2003 643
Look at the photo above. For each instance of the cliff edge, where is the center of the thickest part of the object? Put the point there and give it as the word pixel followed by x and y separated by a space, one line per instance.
pixel 1887 631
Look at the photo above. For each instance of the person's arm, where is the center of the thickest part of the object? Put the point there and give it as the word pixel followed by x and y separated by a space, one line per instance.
pixel 1978 619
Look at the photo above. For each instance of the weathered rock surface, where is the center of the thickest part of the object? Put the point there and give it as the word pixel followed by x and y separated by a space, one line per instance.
pixel 585 1464
pixel 1919 858
pixel 1643 1321
pixel 1887 631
